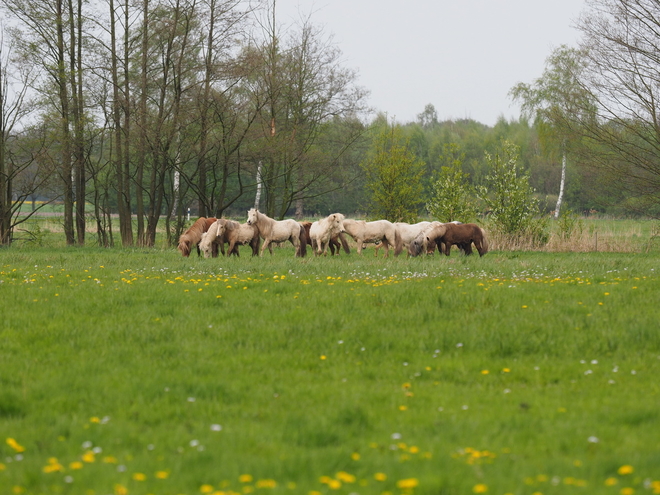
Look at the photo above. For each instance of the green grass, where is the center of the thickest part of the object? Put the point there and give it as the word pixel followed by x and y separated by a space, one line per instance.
pixel 141 372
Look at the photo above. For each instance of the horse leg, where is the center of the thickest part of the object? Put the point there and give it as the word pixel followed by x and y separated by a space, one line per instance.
pixel 265 245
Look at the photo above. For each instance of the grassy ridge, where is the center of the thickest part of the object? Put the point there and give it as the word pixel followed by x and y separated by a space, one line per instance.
pixel 130 371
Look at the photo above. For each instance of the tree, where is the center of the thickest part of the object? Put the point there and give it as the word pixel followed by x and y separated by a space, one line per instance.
pixel 551 100
pixel 393 176
pixel 622 74
pixel 452 194
pixel 20 177
pixel 509 198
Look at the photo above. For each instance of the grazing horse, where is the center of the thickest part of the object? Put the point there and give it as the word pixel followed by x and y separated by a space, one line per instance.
pixel 463 235
pixel 408 232
pixel 336 242
pixel 193 235
pixel 322 231
pixel 380 230
pixel 227 231
pixel 272 230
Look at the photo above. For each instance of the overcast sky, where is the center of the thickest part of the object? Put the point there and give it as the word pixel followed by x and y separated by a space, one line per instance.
pixel 463 56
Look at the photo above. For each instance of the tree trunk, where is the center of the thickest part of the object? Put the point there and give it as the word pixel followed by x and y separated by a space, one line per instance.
pixel 66 166
pixel 561 184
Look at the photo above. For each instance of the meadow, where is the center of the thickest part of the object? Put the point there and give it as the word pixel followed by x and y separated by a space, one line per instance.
pixel 137 371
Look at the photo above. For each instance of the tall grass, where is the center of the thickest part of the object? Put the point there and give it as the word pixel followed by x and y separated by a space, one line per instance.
pixel 138 371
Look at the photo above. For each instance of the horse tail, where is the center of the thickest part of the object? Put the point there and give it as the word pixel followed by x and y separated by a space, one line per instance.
pixel 484 242
pixel 302 244
pixel 398 242
pixel 344 243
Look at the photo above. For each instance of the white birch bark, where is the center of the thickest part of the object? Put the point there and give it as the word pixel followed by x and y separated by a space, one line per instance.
pixel 257 197
pixel 561 184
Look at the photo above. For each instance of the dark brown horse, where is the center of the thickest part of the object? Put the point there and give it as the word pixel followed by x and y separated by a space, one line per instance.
pixel 449 234
pixel 193 235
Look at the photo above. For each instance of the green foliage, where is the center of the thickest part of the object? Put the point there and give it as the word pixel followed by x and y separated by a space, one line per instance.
pixel 393 178
pixel 453 197
pixel 569 223
pixel 514 211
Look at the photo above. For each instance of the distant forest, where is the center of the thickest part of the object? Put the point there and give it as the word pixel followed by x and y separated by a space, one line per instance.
pixel 130 114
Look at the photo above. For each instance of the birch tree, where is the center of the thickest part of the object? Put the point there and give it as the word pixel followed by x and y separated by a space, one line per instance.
pixel 551 101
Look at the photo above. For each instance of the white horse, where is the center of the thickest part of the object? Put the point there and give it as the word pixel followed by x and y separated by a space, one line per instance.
pixel 378 231
pixel 272 230
pixel 322 231
pixel 408 232
pixel 208 245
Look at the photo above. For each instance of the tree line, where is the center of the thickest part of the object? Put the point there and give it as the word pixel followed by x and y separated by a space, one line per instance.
pixel 133 112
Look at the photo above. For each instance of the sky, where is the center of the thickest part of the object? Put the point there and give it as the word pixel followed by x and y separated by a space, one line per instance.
pixel 462 56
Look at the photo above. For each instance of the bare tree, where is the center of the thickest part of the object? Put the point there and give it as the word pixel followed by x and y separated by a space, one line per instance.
pixel 622 47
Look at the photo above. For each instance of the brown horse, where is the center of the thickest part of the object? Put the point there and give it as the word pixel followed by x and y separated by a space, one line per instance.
pixel 448 234
pixel 193 235
pixel 463 235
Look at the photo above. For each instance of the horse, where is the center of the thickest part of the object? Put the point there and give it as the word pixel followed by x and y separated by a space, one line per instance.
pixel 463 235
pixel 379 230
pixel 228 231
pixel 322 231
pixel 337 242
pixel 408 232
pixel 193 235
pixel 272 230
pixel 210 241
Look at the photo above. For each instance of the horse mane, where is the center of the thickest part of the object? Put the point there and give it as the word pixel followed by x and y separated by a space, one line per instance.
pixel 193 235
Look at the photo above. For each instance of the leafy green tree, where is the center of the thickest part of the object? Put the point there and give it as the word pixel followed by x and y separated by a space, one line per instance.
pixel 393 178
pixel 509 197
pixel 453 197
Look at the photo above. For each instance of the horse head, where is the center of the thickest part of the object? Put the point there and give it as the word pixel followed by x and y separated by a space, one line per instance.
pixel 205 244
pixel 252 216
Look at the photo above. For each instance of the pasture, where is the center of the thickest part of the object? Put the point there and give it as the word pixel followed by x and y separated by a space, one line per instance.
pixel 143 372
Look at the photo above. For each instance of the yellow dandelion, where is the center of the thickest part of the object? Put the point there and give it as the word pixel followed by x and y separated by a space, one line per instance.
pixel 266 483
pixel 120 490
pixel 403 408
pixel 314 492
pixel 94 419
pixel 139 476
pixel 355 456
pixel 345 477
pixel 627 491
pixel 76 465
pixel 245 478
pixel 625 469
pixel 407 483
pixel 506 370
pixel 162 475
pixel 325 479
pixel 18 489
pixel 2 466
pixel 611 481
pixel 323 357
pixel 110 459
pixel 206 489
pixel 334 484
pixel 480 488
pixel 89 456
pixel 380 476
pixel 15 445
pixel 414 450
pixel 484 372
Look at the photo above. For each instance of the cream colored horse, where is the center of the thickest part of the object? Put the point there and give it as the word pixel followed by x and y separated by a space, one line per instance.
pixel 378 231
pixel 272 230
pixel 322 231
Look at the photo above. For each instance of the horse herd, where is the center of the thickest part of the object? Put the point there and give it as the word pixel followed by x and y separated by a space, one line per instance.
pixel 211 235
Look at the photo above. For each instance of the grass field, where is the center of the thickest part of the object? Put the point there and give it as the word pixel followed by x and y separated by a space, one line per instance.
pixel 141 372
